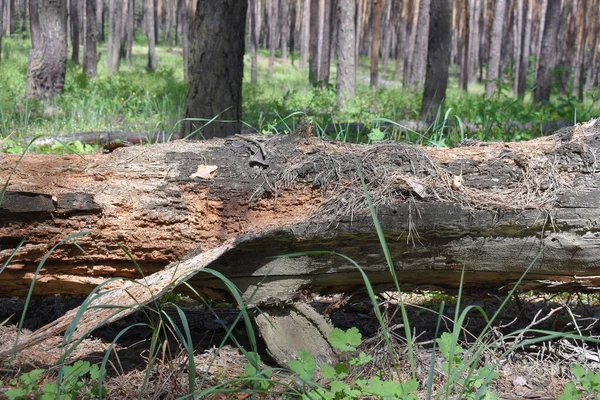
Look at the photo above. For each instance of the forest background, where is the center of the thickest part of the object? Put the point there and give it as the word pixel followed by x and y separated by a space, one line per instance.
pixel 487 69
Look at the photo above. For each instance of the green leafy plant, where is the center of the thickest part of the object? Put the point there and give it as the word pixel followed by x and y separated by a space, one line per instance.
pixel 76 384
pixel 587 380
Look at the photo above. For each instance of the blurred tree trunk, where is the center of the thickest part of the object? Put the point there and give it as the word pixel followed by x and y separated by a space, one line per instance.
pixel 74 10
pixel 438 58
pixel 254 12
pixel 23 17
pixel 475 34
pixel 216 67
pixel 284 27
pixel 115 10
pixel 420 49
pixel 388 31
pixel 100 20
pixel 547 56
pixel 411 32
pixel 313 59
pixel 324 41
pixel 170 7
pixel 90 60
pixel 273 13
pixel 591 79
pixel 466 20
pixel 523 61
pixel 158 17
pixel 580 45
pixel 305 31
pixel 346 71
pixel 128 31
pixel 47 61
pixel 1 25
pixel 493 68
pixel 150 32
pixel 185 36
pixel 376 18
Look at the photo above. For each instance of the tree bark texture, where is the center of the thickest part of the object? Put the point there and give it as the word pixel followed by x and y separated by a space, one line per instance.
pixel 168 201
pixel 75 29
pixel 284 27
pixel 90 58
pixel 115 33
pixel 438 58
pixel 150 31
pixel 324 41
pixel 547 55
pixel 313 58
pixel 273 13
pixel 419 58
pixel 253 11
pixel 493 68
pixel 47 60
pixel 215 68
pixel 305 33
pixel 346 70
pixel 376 19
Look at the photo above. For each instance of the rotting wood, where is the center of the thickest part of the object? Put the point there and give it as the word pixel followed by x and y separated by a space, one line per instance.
pixel 154 202
pixel 168 202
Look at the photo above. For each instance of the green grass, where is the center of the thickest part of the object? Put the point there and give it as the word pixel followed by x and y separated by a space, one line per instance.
pixel 138 100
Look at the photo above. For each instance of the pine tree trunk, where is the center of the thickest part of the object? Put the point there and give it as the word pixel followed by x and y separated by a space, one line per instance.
pixel 521 75
pixel 474 45
pixel 47 61
pixel 495 48
pixel 1 25
pixel 273 33
pixel 215 67
pixel 253 11
pixel 466 47
pixel 388 31
pixel 420 49
pixel 100 20
pixel 325 41
pixel 284 27
pixel 23 18
pixel 305 32
pixel 313 59
pixel 578 60
pixel 129 31
pixel 115 9
pixel 438 58
pixel 376 18
pixel 185 36
pixel 543 80
pixel 346 71
pixel 74 10
pixel 90 60
pixel 150 31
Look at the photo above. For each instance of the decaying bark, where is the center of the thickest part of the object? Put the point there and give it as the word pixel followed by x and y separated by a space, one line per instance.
pixel 238 205
pixel 167 201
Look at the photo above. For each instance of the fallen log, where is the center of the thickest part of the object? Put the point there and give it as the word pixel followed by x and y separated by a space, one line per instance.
pixel 70 223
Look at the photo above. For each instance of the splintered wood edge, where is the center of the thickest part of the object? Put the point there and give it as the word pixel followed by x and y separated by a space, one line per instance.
pixel 101 308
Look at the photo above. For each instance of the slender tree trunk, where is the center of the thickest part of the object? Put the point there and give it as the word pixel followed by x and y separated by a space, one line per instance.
pixel 273 34
pixel 150 32
pixel 129 31
pixel 305 33
pixel 438 58
pixel 495 48
pixel 466 47
pixel 346 71
pixel 90 60
pixel 388 31
pixel 1 25
pixel 100 20
pixel 325 41
pixel 115 9
pixel 159 26
pixel 420 49
pixel 74 10
pixel 377 4
pixel 170 21
pixel 253 11
pixel 47 61
pixel 216 67
pixel 474 45
pixel 411 26
pixel 578 59
pixel 543 81
pixel 313 60
pixel 23 20
pixel 185 36
pixel 521 76
pixel 284 27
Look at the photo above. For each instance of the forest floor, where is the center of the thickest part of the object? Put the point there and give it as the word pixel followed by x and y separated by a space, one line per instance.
pixel 537 371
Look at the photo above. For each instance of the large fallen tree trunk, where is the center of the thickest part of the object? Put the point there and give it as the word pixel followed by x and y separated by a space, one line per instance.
pixel 73 222
pixel 487 207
